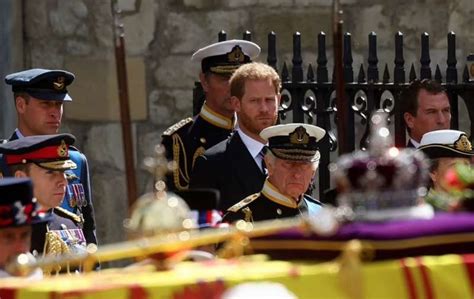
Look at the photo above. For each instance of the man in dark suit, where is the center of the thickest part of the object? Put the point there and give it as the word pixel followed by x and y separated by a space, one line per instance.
pixel 292 160
pixel 39 96
pixel 190 137
pixel 425 107
pixel 234 166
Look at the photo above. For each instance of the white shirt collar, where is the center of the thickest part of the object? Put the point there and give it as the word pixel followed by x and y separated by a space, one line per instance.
pixel 253 146
pixel 415 144
pixel 18 133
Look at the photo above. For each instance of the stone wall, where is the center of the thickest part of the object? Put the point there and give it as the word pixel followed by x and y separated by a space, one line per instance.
pixel 11 59
pixel 162 35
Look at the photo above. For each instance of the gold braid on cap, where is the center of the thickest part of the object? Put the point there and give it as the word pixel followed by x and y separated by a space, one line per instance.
pixel 223 69
pixel 463 144
pixel 295 153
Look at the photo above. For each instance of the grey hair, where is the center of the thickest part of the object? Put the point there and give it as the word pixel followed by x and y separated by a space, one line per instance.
pixel 272 157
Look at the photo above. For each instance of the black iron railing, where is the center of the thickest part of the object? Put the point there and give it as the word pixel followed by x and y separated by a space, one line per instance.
pixel 309 97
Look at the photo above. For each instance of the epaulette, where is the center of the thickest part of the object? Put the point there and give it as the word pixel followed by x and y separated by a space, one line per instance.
pixel 235 208
pixel 177 126
pixel 71 176
pixel 72 147
pixel 71 215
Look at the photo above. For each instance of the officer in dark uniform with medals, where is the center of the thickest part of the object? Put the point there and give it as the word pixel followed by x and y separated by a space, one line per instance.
pixel 39 96
pixel 291 160
pixel 189 138
pixel 44 159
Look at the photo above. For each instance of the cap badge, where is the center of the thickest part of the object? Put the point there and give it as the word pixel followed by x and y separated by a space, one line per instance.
pixel 299 136
pixel 62 149
pixel 236 55
pixel 463 144
pixel 20 216
pixel 59 84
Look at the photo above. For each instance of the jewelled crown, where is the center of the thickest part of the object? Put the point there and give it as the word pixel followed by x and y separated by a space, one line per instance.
pixel 384 181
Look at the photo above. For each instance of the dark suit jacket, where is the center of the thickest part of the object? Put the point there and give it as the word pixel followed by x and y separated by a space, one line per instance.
pixel 229 168
pixel 409 144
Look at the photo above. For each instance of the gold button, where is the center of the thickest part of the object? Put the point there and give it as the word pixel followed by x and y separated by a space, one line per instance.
pixel 203 140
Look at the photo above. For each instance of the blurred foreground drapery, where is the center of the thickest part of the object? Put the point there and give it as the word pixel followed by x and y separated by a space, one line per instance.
pixel 447 276
pixel 419 262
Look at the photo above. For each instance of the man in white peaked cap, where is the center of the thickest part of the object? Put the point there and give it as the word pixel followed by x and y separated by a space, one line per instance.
pixel 190 137
pixel 291 160
pixel 445 148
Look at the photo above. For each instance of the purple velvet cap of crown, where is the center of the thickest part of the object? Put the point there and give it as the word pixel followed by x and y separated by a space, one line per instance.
pixel 392 180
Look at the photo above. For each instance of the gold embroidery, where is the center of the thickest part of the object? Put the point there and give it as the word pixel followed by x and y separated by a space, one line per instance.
pixel 71 215
pixel 62 149
pixel 463 144
pixel 71 176
pixel 295 154
pixel 59 84
pixel 235 208
pixel 299 136
pixel 224 69
pixel 171 130
pixel 54 245
pixel 236 55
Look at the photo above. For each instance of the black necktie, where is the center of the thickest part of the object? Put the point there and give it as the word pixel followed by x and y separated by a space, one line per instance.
pixel 262 156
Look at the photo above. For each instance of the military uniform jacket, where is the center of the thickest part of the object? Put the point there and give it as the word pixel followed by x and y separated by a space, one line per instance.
pixel 78 198
pixel 188 139
pixel 65 224
pixel 270 204
pixel 230 168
